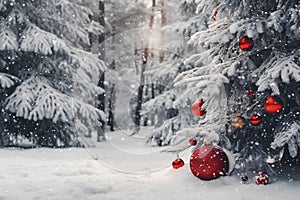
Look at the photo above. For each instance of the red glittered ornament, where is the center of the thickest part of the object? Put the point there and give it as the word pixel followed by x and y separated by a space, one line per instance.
pixel 178 163
pixel 250 93
pixel 197 110
pixel 272 105
pixel 244 178
pixel 209 162
pixel 193 141
pixel 261 179
pixel 246 43
pixel 255 119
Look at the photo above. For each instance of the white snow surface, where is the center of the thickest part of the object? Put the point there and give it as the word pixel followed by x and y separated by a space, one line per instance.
pixel 73 174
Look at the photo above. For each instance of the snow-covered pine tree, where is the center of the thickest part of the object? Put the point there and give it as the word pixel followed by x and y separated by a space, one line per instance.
pixel 48 81
pixel 224 75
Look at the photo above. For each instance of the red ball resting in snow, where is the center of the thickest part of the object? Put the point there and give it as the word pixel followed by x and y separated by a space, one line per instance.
pixel 261 179
pixel 209 162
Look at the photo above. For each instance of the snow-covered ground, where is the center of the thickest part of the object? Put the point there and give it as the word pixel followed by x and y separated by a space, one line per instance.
pixel 125 169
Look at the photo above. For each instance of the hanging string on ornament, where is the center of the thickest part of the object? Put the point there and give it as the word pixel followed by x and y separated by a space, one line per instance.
pixel 246 43
pixel 255 119
pixel 238 122
pixel 215 15
pixel 178 163
pixel 273 105
pixel 197 110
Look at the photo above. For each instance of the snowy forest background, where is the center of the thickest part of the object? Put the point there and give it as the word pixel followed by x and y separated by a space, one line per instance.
pixel 73 70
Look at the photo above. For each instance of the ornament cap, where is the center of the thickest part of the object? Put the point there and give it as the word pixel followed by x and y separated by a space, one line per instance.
pixel 207 142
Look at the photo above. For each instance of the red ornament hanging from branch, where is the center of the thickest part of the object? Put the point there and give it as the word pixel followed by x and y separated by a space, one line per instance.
pixel 197 110
pixel 209 162
pixel 178 163
pixel 255 119
pixel 250 93
pixel 273 105
pixel 193 141
pixel 246 43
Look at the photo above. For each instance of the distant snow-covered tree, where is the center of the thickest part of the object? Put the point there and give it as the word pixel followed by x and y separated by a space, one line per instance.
pixel 172 113
pixel 47 79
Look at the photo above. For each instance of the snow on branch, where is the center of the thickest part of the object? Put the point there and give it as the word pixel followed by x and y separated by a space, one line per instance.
pixel 291 137
pixel 37 40
pixel 8 40
pixel 252 27
pixel 218 33
pixel 288 132
pixel 294 23
pixel 6 80
pixel 205 6
pixel 35 100
pixel 191 79
pixel 163 100
pixel 164 73
pixel 67 19
pixel 281 67
pixel 88 63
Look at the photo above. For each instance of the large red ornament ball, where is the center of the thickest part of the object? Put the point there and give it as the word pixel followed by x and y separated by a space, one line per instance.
pixel 246 43
pixel 178 163
pixel 255 119
pixel 261 179
pixel 273 105
pixel 209 162
pixel 197 110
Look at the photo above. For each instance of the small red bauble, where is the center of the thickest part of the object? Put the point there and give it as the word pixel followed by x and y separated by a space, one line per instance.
pixel 244 178
pixel 178 163
pixel 272 105
pixel 250 93
pixel 255 119
pixel 193 141
pixel 261 179
pixel 246 43
pixel 209 162
pixel 197 110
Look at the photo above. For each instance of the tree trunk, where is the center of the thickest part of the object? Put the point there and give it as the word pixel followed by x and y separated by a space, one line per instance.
pixel 136 58
pixel 101 98
pixel 163 23
pixel 140 91
pixel 111 108
pixel 153 3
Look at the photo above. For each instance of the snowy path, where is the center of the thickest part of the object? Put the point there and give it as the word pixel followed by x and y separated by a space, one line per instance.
pixel 71 174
